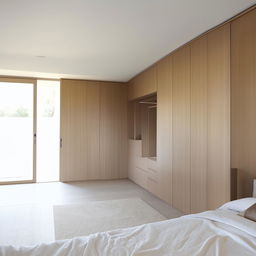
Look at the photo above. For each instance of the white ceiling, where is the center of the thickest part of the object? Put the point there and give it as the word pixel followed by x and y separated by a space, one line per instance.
pixel 101 39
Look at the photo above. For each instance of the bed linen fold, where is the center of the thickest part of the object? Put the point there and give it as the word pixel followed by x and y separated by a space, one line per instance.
pixel 209 233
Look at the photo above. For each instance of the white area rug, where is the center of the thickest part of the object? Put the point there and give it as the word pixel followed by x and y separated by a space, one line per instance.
pixel 83 219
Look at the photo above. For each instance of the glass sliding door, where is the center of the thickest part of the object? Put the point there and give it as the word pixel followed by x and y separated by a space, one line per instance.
pixel 17 130
pixel 48 130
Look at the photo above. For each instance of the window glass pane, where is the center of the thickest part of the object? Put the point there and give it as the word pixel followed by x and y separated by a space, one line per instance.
pixel 16 131
pixel 48 130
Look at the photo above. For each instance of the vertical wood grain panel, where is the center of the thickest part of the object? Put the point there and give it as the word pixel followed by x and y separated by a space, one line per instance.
pixel 123 136
pixel 131 120
pixel 193 122
pixel 113 130
pixel 143 84
pixel 137 120
pixel 198 124
pixel 243 107
pixel 152 130
pixel 164 127
pixel 73 164
pixel 218 143
pixel 93 130
pixel 181 129
pixel 144 130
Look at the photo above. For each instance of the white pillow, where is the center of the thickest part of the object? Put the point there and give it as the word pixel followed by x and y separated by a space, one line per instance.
pixel 239 205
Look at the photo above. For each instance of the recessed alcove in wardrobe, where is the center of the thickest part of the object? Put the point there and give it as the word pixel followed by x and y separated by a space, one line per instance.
pixel 142 148
pixel 142 120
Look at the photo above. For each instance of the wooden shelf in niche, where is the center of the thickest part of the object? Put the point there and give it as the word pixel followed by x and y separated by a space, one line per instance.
pixel 143 123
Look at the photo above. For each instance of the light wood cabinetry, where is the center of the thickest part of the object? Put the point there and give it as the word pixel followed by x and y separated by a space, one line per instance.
pixel 243 103
pixel 198 131
pixel 218 127
pixel 142 170
pixel 142 165
pixel 181 129
pixel 210 120
pixel 193 125
pixel 191 169
pixel 143 84
pixel 113 130
pixel 152 119
pixel 144 130
pixel 93 130
pixel 73 160
pixel 164 127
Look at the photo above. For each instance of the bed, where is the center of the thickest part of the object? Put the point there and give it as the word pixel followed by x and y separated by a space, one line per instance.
pixel 220 232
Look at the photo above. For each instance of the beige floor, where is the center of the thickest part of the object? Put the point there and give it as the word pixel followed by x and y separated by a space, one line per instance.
pixel 26 216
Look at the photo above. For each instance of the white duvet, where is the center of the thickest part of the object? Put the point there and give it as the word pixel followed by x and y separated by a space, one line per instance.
pixel 210 233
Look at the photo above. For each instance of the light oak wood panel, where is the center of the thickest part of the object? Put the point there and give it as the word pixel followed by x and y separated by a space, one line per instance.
pixel 198 124
pixel 73 154
pixel 143 84
pixel 93 130
pixel 131 120
pixel 243 107
pixel 181 130
pixel 144 123
pixel 113 130
pixel 132 153
pixel 134 120
pixel 143 170
pixel 152 130
pixel 218 143
pixel 144 130
pixel 196 158
pixel 137 121
pixel 164 127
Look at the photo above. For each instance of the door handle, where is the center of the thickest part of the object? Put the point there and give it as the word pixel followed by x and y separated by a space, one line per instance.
pixel 35 138
pixel 60 142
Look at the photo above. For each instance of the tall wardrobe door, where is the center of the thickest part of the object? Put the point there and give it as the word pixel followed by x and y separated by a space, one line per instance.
pixel 198 124
pixel 93 130
pixel 164 127
pixel 218 125
pixel 73 160
pixel 113 130
pixel 243 107
pixel 181 129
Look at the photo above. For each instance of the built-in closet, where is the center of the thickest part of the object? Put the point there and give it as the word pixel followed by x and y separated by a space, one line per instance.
pixel 178 127
pixel 243 101
pixel 206 111
pixel 93 130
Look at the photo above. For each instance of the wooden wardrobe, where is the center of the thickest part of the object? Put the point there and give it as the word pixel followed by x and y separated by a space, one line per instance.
pixel 93 130
pixel 206 117
pixel 243 101
pixel 203 122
